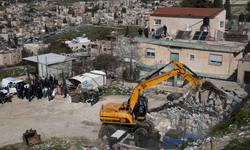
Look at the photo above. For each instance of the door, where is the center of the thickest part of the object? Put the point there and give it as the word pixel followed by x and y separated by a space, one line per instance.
pixel 175 57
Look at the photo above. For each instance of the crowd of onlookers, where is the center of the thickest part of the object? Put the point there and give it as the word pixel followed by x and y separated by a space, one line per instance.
pixel 41 88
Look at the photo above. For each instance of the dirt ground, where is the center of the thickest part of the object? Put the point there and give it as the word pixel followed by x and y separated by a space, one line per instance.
pixel 56 118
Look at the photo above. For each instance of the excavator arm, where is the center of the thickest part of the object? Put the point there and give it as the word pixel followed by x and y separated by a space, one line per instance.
pixel 179 68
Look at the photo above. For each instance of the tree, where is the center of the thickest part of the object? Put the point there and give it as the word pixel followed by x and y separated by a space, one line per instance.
pixel 64 20
pixel 129 52
pixel 31 10
pixel 9 42
pixel 228 10
pixel 46 29
pixel 124 10
pixel 49 15
pixel 57 47
pixel 247 16
pixel 127 31
pixel 196 3
pixel 16 40
pixel 115 15
pixel 106 61
pixel 9 24
pixel 218 4
pixel 248 7
pixel 188 3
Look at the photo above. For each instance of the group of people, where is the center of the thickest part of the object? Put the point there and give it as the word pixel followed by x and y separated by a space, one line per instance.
pixel 40 89
pixel 146 32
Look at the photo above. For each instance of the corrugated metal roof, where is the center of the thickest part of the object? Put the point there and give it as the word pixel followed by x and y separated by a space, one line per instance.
pixel 51 58
pixel 187 12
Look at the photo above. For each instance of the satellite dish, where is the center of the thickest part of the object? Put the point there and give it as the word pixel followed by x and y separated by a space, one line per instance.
pixel 235 21
pixel 229 24
pixel 159 31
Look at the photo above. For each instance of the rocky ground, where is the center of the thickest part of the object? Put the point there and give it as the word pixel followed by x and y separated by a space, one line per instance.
pixel 65 125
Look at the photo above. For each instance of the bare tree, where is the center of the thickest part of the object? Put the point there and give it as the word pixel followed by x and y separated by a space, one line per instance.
pixel 131 54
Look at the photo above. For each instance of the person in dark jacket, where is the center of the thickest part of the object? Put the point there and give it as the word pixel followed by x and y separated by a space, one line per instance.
pixel 55 81
pixel 21 91
pixel 26 92
pixel 65 91
pixel 33 88
pixel 29 94
pixel 17 90
pixel 50 79
pixel 49 93
pixel 165 30
pixel 146 32
pixel 39 92
pixel 140 32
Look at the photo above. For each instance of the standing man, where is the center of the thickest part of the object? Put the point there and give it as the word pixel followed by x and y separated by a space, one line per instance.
pixel 21 91
pixel 146 32
pixel 65 91
pixel 29 93
pixel 165 30
pixel 17 90
pixel 140 32
pixel 49 93
pixel 153 33
pixel 50 79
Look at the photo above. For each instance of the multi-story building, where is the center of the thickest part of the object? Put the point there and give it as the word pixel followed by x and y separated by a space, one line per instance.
pixel 10 56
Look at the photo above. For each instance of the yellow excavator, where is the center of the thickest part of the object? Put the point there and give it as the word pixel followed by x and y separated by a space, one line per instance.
pixel 131 115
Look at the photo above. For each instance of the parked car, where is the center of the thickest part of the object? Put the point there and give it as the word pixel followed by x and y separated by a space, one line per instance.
pixel 10 84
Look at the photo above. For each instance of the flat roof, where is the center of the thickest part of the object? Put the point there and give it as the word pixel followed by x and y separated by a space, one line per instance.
pixel 48 59
pixel 220 46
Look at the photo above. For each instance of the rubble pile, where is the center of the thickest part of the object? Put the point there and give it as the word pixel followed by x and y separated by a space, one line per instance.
pixel 192 114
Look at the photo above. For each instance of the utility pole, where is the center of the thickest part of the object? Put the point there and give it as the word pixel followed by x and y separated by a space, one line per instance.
pixel 37 65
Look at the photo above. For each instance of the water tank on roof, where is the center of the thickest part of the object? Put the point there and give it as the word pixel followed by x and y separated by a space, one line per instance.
pixel 241 18
pixel 187 27
pixel 205 21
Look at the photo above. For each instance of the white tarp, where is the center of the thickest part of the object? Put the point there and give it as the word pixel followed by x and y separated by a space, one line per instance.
pixel 90 80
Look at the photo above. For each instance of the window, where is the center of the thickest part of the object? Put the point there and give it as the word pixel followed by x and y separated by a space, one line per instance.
pixel 104 49
pixel 4 58
pixel 157 22
pixel 150 52
pixel 14 62
pixel 191 57
pixel 221 23
pixel 14 56
pixel 76 46
pixel 174 47
pixel 94 46
pixel 215 59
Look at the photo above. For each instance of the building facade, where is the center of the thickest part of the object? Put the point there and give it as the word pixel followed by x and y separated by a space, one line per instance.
pixel 178 18
pixel 207 60
pixel 243 75
pixel 10 57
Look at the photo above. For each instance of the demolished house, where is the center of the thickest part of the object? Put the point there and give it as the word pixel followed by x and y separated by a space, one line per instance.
pixel 194 113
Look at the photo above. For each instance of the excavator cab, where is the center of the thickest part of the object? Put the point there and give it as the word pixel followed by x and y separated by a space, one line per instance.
pixel 141 108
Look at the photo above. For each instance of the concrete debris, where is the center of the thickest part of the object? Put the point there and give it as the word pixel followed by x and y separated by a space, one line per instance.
pixel 191 114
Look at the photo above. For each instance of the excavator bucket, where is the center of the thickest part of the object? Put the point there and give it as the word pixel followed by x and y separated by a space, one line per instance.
pixel 207 85
pixel 30 138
